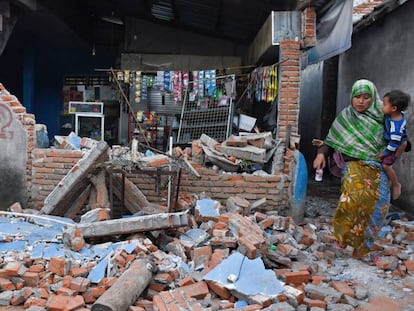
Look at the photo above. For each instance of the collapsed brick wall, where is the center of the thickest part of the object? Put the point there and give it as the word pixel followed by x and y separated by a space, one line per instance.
pixel 28 122
pixel 220 186
pixel 49 166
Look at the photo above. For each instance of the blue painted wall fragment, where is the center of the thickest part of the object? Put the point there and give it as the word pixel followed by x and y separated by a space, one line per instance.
pixel 253 279
pixel 207 207
pixel 299 188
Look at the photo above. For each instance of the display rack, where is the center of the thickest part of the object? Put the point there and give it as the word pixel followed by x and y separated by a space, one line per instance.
pixel 208 115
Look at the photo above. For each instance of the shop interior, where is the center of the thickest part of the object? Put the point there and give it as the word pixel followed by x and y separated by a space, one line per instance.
pixel 152 106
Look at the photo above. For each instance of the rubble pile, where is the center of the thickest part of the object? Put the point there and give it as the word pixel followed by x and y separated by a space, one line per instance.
pixel 220 258
pixel 206 256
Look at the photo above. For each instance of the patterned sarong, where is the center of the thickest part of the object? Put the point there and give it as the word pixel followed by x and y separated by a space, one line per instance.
pixel 363 205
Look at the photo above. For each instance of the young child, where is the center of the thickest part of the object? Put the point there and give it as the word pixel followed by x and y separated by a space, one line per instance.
pixel 395 133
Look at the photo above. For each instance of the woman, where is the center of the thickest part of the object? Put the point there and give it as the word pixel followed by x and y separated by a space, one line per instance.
pixel 357 133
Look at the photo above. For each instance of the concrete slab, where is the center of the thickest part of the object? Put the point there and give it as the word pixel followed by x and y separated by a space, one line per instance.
pixel 251 153
pixel 131 224
pixel 13 158
pixel 193 237
pixel 208 208
pixel 253 279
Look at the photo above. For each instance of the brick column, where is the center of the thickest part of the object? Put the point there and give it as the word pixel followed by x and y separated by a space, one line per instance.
pixel 289 87
pixel 308 28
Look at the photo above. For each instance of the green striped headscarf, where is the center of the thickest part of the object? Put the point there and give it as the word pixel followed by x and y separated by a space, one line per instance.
pixel 359 135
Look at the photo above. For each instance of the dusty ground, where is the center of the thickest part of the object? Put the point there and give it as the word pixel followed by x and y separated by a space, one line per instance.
pixel 386 293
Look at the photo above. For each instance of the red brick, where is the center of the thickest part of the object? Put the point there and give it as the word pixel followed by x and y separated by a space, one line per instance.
pixel 80 284
pixel 36 268
pixel 285 249
pixel 107 282
pixel 204 251
pixel 186 281
pixel 252 307
pixel 35 301
pixel 19 285
pixel 219 290
pixel 383 264
pixel 159 303
pixel 88 297
pixel 297 278
pixel 15 268
pixel 3 274
pixel 266 223
pixel 6 284
pixel 31 278
pixel 343 288
pixel 17 299
pixel 66 291
pixel 97 291
pixel 67 280
pixel 64 303
pixel 225 305
pixel 83 272
pixel 315 303
pixel 58 266
pixel 409 264
pixel 317 279
pixel 197 290
pixel 163 278
pixel 158 286
pixel 251 250
pixel 44 293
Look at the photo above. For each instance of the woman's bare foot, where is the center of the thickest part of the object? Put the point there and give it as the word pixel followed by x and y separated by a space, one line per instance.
pixel 396 191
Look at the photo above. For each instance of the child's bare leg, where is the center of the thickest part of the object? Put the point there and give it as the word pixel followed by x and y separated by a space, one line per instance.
pixel 396 186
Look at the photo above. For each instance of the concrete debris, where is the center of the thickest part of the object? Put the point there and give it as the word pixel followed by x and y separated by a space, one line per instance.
pixel 239 153
pixel 75 256
pixel 215 260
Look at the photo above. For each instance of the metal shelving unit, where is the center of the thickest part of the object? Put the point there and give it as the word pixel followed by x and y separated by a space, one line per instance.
pixel 207 116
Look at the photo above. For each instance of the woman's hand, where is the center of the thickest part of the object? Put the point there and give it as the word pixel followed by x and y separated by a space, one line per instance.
pixel 319 162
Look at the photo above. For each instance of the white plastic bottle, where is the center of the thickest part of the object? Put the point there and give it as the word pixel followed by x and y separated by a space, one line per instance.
pixel 319 174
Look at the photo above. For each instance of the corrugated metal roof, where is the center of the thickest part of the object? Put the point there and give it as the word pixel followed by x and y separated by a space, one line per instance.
pixel 233 20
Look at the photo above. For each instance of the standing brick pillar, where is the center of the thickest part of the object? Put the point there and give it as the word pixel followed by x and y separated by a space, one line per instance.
pixel 288 112
pixel 289 92
pixel 308 28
